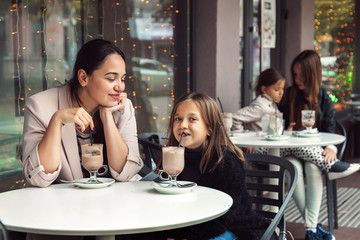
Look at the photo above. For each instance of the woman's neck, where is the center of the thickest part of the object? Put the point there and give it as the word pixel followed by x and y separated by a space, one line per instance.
pixel 85 104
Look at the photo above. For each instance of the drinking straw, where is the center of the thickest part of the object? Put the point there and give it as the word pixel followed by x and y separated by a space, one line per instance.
pixel 221 107
pixel 182 134
pixel 91 132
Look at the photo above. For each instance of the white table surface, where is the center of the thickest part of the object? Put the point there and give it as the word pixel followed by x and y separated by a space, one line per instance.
pixel 122 208
pixel 253 139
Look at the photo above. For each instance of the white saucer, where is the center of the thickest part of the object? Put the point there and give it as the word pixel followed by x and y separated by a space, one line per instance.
pixel 105 182
pixel 277 138
pixel 162 187
pixel 307 134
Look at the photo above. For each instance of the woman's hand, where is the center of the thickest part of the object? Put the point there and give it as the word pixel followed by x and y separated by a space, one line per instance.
pixel 329 155
pixel 121 104
pixel 79 116
pixel 247 149
pixel 291 126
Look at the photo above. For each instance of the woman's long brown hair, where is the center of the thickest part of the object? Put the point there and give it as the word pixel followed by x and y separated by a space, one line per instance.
pixel 310 67
pixel 218 138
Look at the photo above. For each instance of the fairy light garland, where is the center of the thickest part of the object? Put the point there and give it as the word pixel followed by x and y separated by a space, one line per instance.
pixel 334 36
pixel 61 19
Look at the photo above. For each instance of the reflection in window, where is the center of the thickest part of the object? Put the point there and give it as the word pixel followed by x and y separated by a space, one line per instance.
pixel 334 39
pixel 39 41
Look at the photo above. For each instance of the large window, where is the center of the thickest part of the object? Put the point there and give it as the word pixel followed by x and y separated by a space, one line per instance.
pixel 334 39
pixel 40 39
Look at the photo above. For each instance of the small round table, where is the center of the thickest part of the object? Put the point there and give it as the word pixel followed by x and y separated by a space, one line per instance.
pixel 257 139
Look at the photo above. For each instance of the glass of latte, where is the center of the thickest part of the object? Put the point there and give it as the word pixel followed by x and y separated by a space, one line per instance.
pixel 92 161
pixel 172 163
pixel 308 119
pixel 227 119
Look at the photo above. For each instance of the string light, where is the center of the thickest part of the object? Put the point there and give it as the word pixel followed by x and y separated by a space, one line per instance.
pixel 61 28
pixel 334 36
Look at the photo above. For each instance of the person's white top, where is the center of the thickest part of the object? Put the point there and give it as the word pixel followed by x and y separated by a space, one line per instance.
pixel 122 208
pixel 258 139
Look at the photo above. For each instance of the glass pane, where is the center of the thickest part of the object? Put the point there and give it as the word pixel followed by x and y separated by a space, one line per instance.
pixel 39 42
pixel 334 35
pixel 256 49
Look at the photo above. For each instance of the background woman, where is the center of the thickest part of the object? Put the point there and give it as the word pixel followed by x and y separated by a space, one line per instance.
pixel 306 93
pixel 57 121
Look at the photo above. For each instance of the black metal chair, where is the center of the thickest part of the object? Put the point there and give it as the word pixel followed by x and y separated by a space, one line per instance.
pixel 150 153
pixel 257 182
pixel 354 120
pixel 331 188
pixel 3 232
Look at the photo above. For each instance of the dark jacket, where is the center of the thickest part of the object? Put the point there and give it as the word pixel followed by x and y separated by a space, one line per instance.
pixel 326 113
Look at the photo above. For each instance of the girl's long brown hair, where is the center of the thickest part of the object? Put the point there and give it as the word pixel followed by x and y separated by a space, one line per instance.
pixel 218 138
pixel 310 67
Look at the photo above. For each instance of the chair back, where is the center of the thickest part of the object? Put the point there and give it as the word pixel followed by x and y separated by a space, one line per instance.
pixel 355 96
pixel 3 232
pixel 340 129
pixel 257 180
pixel 150 153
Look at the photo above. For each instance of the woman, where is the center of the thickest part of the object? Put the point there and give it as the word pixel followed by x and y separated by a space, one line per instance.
pixel 57 121
pixel 306 93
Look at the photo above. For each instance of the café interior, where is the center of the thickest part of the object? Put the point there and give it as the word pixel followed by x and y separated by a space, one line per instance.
pixel 173 47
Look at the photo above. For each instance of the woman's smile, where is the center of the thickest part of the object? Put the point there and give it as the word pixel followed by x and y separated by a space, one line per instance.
pixel 115 96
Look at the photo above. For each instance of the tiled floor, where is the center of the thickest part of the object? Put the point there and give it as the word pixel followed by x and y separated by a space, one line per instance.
pixel 342 233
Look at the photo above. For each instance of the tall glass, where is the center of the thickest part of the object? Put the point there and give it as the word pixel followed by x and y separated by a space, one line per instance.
pixel 308 119
pixel 227 119
pixel 92 160
pixel 173 164
pixel 275 124
pixel 265 123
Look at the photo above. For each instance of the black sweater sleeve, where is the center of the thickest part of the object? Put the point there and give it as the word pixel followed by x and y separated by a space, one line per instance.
pixel 241 219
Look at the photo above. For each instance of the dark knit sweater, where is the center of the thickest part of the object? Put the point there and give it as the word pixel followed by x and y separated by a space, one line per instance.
pixel 228 177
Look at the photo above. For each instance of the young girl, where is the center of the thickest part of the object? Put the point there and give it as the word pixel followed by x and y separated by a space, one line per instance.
pixel 212 160
pixel 269 92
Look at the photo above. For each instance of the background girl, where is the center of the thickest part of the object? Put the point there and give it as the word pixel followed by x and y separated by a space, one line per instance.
pixel 306 93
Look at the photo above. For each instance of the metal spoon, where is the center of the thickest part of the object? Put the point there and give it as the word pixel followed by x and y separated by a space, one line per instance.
pixel 77 181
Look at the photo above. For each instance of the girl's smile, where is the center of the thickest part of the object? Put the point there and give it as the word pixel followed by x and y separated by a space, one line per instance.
pixel 188 120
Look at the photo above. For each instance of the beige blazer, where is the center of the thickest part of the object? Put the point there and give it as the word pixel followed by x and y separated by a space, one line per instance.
pixel 38 111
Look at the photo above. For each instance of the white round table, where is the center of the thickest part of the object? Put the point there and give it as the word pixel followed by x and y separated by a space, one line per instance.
pixel 257 139
pixel 122 208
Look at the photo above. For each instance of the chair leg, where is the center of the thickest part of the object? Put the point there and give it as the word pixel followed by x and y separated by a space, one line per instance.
pixel 336 226
pixel 329 191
